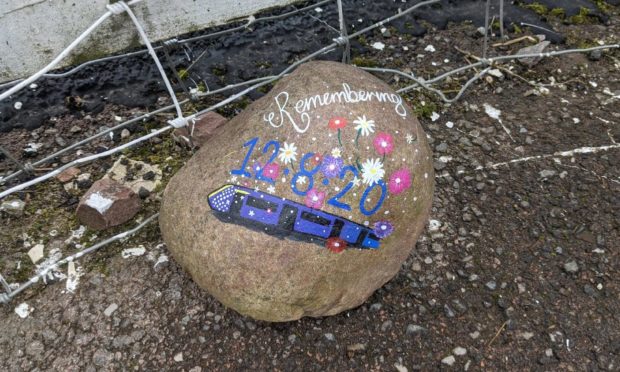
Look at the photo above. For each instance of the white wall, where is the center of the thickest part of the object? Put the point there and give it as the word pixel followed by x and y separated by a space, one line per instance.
pixel 33 32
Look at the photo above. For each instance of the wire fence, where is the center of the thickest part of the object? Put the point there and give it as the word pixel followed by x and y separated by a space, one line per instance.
pixel 341 42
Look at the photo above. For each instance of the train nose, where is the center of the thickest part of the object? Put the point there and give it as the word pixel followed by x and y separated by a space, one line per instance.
pixel 222 199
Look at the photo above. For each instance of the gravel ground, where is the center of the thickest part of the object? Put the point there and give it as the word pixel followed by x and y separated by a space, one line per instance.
pixel 518 269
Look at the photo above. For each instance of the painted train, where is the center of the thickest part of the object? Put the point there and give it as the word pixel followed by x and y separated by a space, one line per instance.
pixel 285 218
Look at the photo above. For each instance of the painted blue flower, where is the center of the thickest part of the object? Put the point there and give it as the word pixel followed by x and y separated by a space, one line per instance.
pixel 331 166
pixel 383 229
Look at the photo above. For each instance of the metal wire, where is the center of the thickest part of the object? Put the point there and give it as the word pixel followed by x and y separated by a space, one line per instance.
pixel 182 41
pixel 256 83
pixel 61 56
pixel 6 297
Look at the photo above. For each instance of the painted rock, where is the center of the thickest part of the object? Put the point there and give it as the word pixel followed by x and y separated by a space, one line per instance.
pixel 306 202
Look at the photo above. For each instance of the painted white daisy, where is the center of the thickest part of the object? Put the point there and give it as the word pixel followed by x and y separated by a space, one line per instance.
pixel 271 189
pixel 372 171
pixel 364 126
pixel 233 179
pixel 336 152
pixel 409 138
pixel 288 153
pixel 356 181
pixel 301 180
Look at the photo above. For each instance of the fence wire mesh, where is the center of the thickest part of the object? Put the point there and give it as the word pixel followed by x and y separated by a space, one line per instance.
pixel 341 42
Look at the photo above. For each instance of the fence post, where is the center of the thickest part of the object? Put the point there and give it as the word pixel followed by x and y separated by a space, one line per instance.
pixel 346 54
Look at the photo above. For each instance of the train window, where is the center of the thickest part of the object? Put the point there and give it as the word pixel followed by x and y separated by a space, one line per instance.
pixel 314 218
pixel 261 204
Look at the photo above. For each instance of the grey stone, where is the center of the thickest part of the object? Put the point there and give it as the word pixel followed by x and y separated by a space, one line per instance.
pixel 386 326
pixel 449 360
pixel 13 207
pixel 571 267
pixel 414 329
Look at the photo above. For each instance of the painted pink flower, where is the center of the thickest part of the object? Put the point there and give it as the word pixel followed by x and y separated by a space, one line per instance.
pixel 271 171
pixel 383 143
pixel 315 199
pixel 399 181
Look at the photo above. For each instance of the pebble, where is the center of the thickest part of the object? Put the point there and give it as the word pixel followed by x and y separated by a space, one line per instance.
pixel 547 173
pixel 18 105
pixel 178 357
pixel 36 253
pixel 13 207
pixel 330 337
pixel 448 311
pixel 449 360
pixel 571 267
pixel 491 285
pixel 474 335
pixel 110 309
pixel 23 310
pixel 526 335
pixel 375 307
pixel 595 55
pixel 292 338
pixel 414 329
pixel 75 129
pixel 125 133
pixel 386 326
pixel 459 351
pixel 101 357
pixel 356 347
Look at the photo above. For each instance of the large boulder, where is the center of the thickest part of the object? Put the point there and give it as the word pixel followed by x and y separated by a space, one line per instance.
pixel 306 202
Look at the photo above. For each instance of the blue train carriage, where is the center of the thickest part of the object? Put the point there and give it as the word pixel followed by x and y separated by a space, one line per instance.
pixel 284 218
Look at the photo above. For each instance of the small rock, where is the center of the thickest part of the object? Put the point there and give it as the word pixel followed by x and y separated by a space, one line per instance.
pixel 125 133
pixel 534 49
pixel 571 267
pixel 547 173
pixel 36 253
pixel 110 309
pixel 526 335
pixel 356 347
pixel 135 174
pixel 68 174
pixel 23 310
pixel 589 290
pixel 330 337
pixel 595 55
pixel 414 329
pixel 375 307
pixel 143 193
pixel 491 285
pixel 102 357
pixel 60 141
pixel 13 207
pixel 387 325
pixel 178 357
pixel 201 129
pixel 107 203
pixel 459 351
pixel 449 360
pixel 474 335
pixel 32 149
pixel 75 129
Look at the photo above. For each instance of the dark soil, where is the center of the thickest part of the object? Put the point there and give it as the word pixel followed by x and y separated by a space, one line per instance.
pixel 518 270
